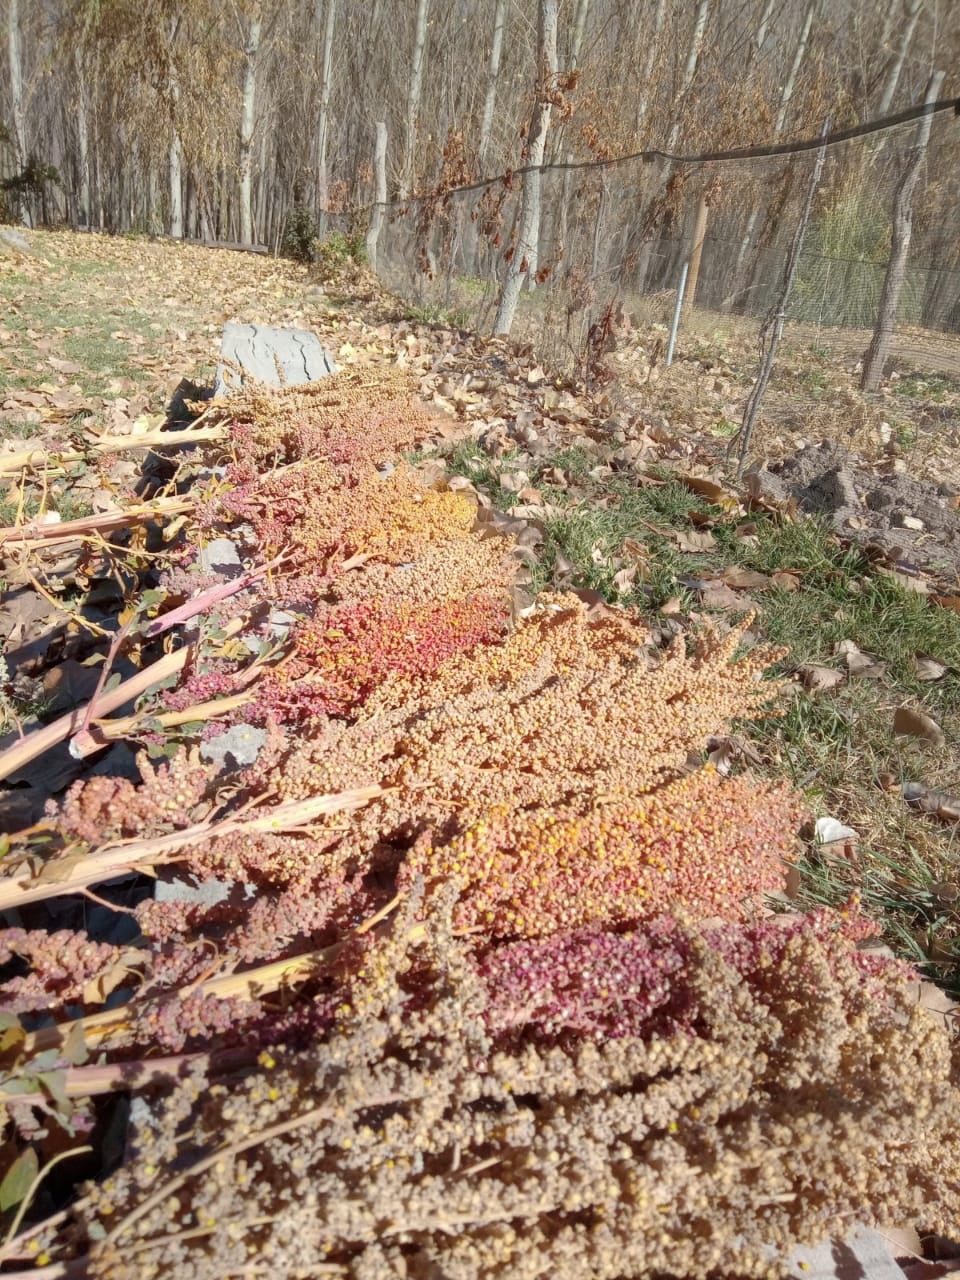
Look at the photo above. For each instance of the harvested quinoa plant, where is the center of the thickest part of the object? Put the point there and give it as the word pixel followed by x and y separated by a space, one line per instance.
pixel 481 981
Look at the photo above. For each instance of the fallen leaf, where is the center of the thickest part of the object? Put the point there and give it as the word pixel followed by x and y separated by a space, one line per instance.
pixel 786 580
pixel 858 662
pixel 64 366
pixel 694 541
pixel 904 1241
pixel 671 607
pixel 18 1179
pixel 721 597
pixel 918 725
pixel 793 879
pixel 745 579
pixel 938 1004
pixel 815 678
pixel 947 602
pixel 712 490
pixel 624 579
pixel 927 668
pixel 912 581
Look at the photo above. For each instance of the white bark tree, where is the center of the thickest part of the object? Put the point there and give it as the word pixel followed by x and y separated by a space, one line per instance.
pixel 83 214
pixel 787 92
pixel 175 173
pixel 251 49
pixel 646 75
pixel 530 208
pixel 323 127
pixel 380 195
pixel 493 71
pixel 689 70
pixel 581 13
pixel 15 56
pixel 914 9
pixel 414 94
pixel 902 233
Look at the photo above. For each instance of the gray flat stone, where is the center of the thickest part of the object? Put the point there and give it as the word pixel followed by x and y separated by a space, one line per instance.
pixel 272 356
pixel 240 745
pixel 864 1254
pixel 15 243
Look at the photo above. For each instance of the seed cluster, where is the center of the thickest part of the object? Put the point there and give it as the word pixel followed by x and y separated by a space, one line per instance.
pixel 344 653
pixel 540 1023
pixel 701 846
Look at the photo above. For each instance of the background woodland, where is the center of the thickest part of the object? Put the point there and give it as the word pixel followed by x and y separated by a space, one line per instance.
pixel 225 121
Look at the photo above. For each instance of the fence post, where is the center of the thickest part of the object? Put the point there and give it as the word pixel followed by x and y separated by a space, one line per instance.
pixel 676 314
pixel 696 252
pixel 380 198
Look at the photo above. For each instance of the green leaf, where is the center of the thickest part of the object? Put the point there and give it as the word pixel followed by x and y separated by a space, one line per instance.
pixel 74 1048
pixel 19 1179
pixel 54 1083
pixel 20 1085
pixel 44 1060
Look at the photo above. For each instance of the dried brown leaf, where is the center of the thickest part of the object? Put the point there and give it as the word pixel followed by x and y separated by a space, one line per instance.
pixel 816 678
pixel 721 597
pixel 694 541
pixel 745 579
pixel 917 724
pixel 927 668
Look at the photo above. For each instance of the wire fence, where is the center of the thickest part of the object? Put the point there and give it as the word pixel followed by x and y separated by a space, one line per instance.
pixel 614 239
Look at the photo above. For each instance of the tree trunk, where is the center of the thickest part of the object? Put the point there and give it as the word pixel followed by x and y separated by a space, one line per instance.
pixel 760 37
pixel 323 129
pixel 689 70
pixel 914 9
pixel 84 214
pixel 380 195
pixel 883 334
pixel 176 186
pixel 175 156
pixel 790 84
pixel 413 97
pixel 526 246
pixel 646 75
pixel 576 37
pixel 786 96
pixel 247 116
pixel 493 71
pixel 15 53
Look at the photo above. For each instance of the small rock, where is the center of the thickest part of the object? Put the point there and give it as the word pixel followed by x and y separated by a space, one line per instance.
pixel 221 556
pixel 911 522
pixel 241 742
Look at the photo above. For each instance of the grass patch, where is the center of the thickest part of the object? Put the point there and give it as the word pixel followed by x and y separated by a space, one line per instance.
pixel 17 430
pixel 933 387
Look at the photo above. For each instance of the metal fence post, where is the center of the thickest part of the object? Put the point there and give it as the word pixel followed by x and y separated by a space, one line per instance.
pixel 676 314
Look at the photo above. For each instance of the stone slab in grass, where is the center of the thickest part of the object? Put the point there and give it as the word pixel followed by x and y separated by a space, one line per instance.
pixel 273 356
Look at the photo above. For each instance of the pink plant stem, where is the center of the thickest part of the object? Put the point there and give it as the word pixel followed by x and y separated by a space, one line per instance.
pixel 34 744
pixel 213 595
